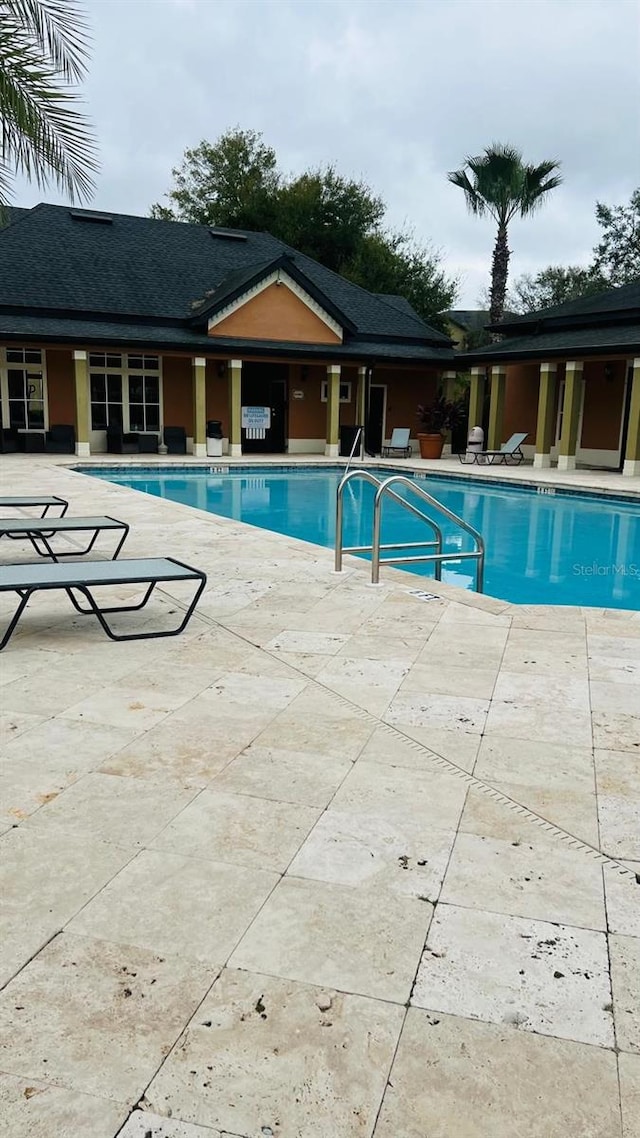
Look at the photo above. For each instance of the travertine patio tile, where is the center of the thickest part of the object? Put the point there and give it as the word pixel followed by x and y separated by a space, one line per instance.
pixel 320 643
pixel 403 856
pixel 30 1108
pixel 574 811
pixel 542 719
pixel 398 793
pixel 622 894
pixel 135 710
pixel 144 1124
pixel 239 829
pixel 473 614
pixel 525 880
pixel 624 952
pixel 47 699
pixel 317 721
pixel 459 747
pixel 571 693
pixel 536 652
pixel 97 1017
pixel 456 713
pixel 484 814
pixel 370 684
pixel 177 906
pixel 623 699
pixel 629 1070
pixel 557 766
pixel 22 938
pixel 126 811
pixel 282 1065
pixel 474 646
pixel 618 781
pixel 260 696
pixel 367 646
pixel 350 939
pixel 452 1078
pixel 307 777
pixel 15 723
pixel 553 618
pixel 544 977
pixel 443 680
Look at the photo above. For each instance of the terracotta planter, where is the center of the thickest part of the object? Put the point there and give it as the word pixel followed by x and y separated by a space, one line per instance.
pixel 431 445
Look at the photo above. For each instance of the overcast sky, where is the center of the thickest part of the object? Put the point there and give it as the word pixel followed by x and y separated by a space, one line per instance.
pixel 394 91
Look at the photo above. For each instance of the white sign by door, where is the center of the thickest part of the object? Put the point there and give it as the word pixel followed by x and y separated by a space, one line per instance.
pixel 256 421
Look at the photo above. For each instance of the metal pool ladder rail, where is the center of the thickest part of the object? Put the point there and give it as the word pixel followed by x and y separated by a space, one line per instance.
pixel 357 439
pixel 384 489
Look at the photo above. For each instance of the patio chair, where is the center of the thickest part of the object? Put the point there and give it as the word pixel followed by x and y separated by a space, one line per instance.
pixel 399 441
pixel 175 440
pixel 32 501
pixel 509 453
pixel 82 577
pixel 61 439
pixel 39 532
pixel 119 442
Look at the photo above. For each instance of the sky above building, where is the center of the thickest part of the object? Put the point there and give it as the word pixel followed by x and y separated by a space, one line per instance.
pixel 391 91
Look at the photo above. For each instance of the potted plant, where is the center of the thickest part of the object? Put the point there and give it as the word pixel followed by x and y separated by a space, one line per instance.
pixel 436 419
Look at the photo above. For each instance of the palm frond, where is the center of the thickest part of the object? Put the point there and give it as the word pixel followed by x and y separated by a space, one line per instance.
pixel 43 133
pixel 58 27
pixel 460 178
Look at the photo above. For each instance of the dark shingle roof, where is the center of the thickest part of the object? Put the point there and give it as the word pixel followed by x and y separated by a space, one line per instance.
pixel 604 304
pixel 59 261
pixel 614 338
pixel 471 319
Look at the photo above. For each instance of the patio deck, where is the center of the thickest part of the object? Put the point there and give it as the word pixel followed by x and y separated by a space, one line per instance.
pixel 338 861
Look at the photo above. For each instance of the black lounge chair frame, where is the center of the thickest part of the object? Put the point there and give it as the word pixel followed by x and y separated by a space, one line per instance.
pixel 144 571
pixel 46 502
pixel 39 532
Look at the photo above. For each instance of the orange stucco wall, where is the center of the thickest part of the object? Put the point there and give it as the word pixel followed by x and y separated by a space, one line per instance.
pixel 177 392
pixel 406 389
pixel 60 386
pixel 521 401
pixel 307 416
pixel 276 313
pixel 603 400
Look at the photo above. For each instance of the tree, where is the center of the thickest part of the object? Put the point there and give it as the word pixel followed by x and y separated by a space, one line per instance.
pixel 554 285
pixel 43 52
pixel 617 256
pixel 233 183
pixel 337 221
pixel 497 182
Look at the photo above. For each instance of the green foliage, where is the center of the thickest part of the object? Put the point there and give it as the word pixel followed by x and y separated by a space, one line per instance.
pixel 499 183
pixel 554 285
pixel 43 51
pixel 235 183
pixel 617 256
pixel 442 415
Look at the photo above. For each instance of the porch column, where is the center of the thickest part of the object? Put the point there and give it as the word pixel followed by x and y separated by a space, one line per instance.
pixel 361 406
pixel 476 396
pixel 570 415
pixel 81 385
pixel 632 453
pixel 235 408
pixel 199 367
pixel 496 407
pixel 546 415
pixel 333 410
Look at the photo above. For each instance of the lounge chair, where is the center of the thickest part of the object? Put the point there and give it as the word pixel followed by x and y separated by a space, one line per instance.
pixel 39 532
pixel 61 439
pixel 83 577
pixel 509 453
pixel 175 440
pixel 399 441
pixel 31 501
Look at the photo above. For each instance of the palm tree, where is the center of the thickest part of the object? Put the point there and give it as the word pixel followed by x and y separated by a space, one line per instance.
pixel 500 184
pixel 43 51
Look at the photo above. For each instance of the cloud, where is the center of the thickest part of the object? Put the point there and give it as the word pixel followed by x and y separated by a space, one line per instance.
pixel 396 92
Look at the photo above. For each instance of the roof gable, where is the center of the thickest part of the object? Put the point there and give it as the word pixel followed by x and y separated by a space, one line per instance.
pixel 276 309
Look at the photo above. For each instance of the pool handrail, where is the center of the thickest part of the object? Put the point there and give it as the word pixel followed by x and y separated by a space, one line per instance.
pixel 357 438
pixel 384 489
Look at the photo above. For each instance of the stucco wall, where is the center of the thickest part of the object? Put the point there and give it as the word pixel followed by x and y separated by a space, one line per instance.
pixel 60 386
pixel 177 392
pixel 521 401
pixel 603 399
pixel 276 313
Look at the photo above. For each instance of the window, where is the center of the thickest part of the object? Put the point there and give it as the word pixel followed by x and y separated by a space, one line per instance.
pixel 345 392
pixel 24 390
pixel 125 392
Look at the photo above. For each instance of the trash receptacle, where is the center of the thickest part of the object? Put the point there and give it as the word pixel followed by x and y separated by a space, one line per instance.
pixel 347 439
pixel 214 438
pixel 475 445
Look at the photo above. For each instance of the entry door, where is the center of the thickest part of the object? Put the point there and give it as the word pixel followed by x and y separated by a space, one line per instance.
pixel 374 427
pixel 265 385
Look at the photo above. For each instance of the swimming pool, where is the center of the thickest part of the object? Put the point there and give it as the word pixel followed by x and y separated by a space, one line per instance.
pixel 542 548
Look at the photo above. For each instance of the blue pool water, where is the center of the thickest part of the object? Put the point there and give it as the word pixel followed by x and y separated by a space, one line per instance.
pixel 562 548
